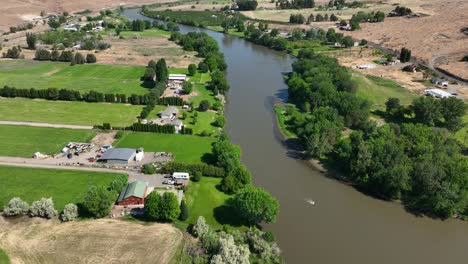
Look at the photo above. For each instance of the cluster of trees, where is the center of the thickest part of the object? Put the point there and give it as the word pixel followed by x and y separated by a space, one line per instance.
pixel 401 11
pixel 157 71
pixel 320 18
pixel 246 5
pixel 66 56
pixel 98 200
pixel 43 208
pixel 203 168
pixel 260 37
pixel 165 129
pixel 233 246
pixel 13 53
pixel 405 55
pixel 163 207
pixel 295 4
pixel 361 17
pixel 140 25
pixel 55 23
pixel 15 29
pixel 296 19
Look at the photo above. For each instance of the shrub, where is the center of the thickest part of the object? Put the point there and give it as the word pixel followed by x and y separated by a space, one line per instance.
pixel 16 206
pixel 164 208
pixel 98 201
pixel 43 208
pixel 118 183
pixel 200 228
pixel 220 121
pixel 229 252
pixel 184 213
pixel 148 169
pixel 187 87
pixel 204 106
pixel 192 69
pixel 42 55
pixel 91 58
pixel 79 58
pixel 197 176
pixel 70 213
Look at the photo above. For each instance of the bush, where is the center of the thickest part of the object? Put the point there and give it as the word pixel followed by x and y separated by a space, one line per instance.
pixel 43 208
pixel 148 169
pixel 204 106
pixel 16 206
pixel 98 201
pixel 70 213
pixel 200 228
pixel 119 183
pixel 192 69
pixel 91 58
pixel 42 55
pixel 197 176
pixel 187 87
pixel 220 121
pixel 164 208
pixel 79 58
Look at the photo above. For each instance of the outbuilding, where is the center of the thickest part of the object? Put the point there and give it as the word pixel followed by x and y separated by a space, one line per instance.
pixel 118 155
pixel 133 193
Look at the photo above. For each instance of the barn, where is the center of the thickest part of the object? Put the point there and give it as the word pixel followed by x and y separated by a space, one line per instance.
pixel 133 194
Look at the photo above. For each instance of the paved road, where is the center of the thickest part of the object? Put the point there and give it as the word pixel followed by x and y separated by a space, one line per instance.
pixel 20 123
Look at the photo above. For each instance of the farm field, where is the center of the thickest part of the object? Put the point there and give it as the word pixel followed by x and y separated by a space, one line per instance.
pixel 377 90
pixel 24 141
pixel 149 33
pixel 64 186
pixel 83 78
pixel 62 112
pixel 204 199
pixel 28 240
pixel 186 148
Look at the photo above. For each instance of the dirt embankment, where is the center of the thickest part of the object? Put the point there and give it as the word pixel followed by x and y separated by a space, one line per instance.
pixel 95 241
pixel 16 12
pixel 436 39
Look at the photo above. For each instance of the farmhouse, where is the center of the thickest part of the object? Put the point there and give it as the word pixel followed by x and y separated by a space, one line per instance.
pixel 118 155
pixel 169 113
pixel 177 123
pixel 439 81
pixel 133 194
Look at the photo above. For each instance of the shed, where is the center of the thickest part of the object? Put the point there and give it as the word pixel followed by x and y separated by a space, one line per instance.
pixel 133 193
pixel 177 78
pixel 118 155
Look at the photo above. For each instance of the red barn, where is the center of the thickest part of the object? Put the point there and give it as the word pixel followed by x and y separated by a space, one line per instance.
pixel 133 194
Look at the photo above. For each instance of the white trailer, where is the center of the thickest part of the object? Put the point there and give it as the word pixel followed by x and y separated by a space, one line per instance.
pixel 438 93
pixel 180 176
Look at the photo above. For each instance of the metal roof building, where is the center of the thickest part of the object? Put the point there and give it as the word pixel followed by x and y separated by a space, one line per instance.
pixel 118 155
pixel 133 194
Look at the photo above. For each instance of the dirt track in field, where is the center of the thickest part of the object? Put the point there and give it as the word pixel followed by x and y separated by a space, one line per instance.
pixel 94 241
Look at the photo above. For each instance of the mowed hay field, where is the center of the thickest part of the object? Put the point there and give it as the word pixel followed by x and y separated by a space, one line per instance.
pixel 24 141
pixel 70 113
pixel 64 186
pixel 186 148
pixel 83 78
pixel 96 241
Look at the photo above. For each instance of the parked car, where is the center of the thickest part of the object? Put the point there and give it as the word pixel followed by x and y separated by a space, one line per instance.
pixel 169 182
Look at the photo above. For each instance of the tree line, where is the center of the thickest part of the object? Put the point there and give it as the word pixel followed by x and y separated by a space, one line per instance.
pixel 415 159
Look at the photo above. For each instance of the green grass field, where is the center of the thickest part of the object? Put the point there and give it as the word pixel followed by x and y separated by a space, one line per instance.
pixel 24 141
pixel 4 259
pixel 186 148
pixel 202 200
pixel 378 90
pixel 64 186
pixel 83 78
pixel 149 33
pixel 61 112
pixel 204 122
pixel 197 78
pixel 202 94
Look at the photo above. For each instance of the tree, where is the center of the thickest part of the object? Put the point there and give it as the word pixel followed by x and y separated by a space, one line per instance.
pixel 54 55
pixel 355 25
pixel 230 253
pixel 452 110
pixel 53 23
pixel 204 106
pixel 16 206
pixel 150 74
pixel 192 69
pixel 43 208
pixel 98 201
pixel 90 58
pixel 31 39
pixel 227 154
pixel 319 18
pixel 148 168
pixel 197 175
pixel 236 180
pixel 70 213
pixel 405 55
pixel 255 205
pixel 79 58
pixel 169 209
pixel 152 205
pixel 119 183
pixel 333 17
pixel 247 5
pixel 184 212
pixel 220 121
pixel 200 228
pixel 187 87
pixel 392 105
pixel 347 41
pixel 161 71
pixel 42 55
pixel 427 110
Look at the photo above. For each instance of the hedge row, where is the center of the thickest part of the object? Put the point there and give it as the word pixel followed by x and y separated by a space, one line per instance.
pixel 205 169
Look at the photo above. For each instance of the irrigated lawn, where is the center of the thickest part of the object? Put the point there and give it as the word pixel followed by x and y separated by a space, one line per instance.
pixel 204 122
pixel 149 33
pixel 61 112
pixel 202 200
pixel 24 141
pixel 197 78
pixel 203 94
pixel 186 148
pixel 83 78
pixel 4 259
pixel 64 186
pixel 378 90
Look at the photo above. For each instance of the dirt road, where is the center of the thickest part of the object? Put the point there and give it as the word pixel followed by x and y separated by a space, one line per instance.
pixel 19 123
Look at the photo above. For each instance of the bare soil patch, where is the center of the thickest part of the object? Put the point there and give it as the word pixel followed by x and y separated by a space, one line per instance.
pixel 104 138
pixel 95 241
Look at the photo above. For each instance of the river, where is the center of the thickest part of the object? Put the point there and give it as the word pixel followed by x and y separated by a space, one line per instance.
pixel 344 225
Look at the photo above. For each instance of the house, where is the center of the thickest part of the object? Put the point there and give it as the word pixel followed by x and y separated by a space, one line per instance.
pixel 169 113
pixel 437 93
pixel 133 193
pixel 439 81
pixel 177 123
pixel 118 155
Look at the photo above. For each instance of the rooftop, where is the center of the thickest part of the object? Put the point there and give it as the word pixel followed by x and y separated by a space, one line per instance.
pixel 136 189
pixel 169 111
pixel 118 154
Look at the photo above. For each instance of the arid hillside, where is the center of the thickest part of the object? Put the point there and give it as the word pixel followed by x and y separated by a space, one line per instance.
pixel 15 12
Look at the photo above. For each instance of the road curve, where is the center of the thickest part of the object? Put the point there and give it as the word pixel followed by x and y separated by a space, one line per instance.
pixel 21 123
